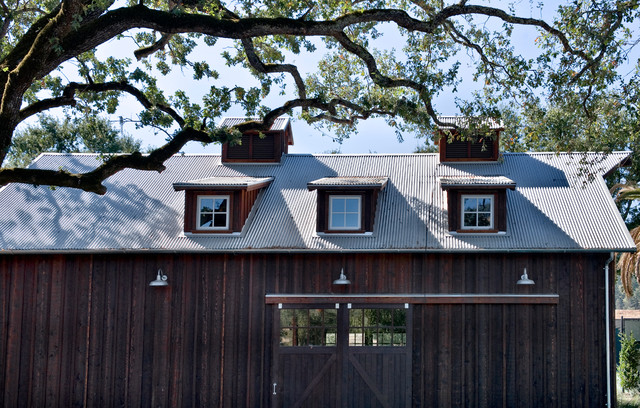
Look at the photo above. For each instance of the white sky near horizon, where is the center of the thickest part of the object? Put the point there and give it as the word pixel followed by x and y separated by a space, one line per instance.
pixel 374 136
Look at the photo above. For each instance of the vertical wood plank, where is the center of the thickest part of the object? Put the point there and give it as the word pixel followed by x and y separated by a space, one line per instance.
pixel 579 387
pixel 5 309
pixel 18 292
pixel 39 321
pixel 54 338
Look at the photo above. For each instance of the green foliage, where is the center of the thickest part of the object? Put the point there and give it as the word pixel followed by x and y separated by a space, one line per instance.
pixel 425 148
pixel 629 366
pixel 610 122
pixel 86 134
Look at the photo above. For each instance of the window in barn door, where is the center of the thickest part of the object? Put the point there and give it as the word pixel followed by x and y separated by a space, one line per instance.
pixel 372 327
pixel 308 327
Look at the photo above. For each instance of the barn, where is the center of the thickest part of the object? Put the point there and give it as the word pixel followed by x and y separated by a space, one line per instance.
pixel 260 278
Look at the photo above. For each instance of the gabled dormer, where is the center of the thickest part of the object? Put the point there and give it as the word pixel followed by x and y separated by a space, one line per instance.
pixel 220 204
pixel 347 204
pixel 477 204
pixel 255 147
pixel 464 139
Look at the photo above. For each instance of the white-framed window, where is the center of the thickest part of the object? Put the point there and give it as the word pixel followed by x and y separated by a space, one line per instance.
pixel 213 213
pixel 477 212
pixel 345 212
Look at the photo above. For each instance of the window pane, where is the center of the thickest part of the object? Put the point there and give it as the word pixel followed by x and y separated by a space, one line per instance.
pixel 206 220
pixel 302 317
pixel 337 220
pixel 338 204
pixel 330 337
pixel 286 317
pixel 470 220
pixel 220 220
pixel 330 317
pixel 470 204
pixel 352 220
pixel 301 337
pixel 400 337
pixel 286 337
pixel 355 317
pixel 484 204
pixel 316 337
pixel 308 327
pixel 206 205
pixel 356 337
pixel 399 318
pixel 315 317
pixel 221 205
pixel 377 327
pixel 352 205
pixel 484 219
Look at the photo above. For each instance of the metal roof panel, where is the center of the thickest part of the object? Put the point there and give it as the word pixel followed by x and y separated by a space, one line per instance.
pixel 556 206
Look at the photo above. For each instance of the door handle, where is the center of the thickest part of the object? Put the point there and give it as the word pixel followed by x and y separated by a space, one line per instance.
pixel 274 388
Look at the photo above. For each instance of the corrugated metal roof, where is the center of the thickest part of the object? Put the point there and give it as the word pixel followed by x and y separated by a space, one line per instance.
pixel 280 123
pixel 361 182
pixel 211 182
pixel 554 207
pixel 465 122
pixel 497 181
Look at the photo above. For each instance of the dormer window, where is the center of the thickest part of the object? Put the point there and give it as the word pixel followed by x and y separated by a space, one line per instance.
pixel 477 203
pixel 345 212
pixel 347 204
pixel 213 212
pixel 477 212
pixel 219 205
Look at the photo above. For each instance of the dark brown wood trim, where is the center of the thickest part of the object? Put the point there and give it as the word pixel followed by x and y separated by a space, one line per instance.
pixel 426 298
pixel 477 231
pixel 201 188
pixel 454 205
pixel 368 203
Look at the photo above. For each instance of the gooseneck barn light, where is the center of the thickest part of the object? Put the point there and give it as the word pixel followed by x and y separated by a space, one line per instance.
pixel 161 280
pixel 342 280
pixel 524 279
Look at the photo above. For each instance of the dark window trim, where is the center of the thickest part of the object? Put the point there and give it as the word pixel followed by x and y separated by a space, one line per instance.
pixel 454 207
pixel 227 212
pixel 492 212
pixel 191 211
pixel 368 203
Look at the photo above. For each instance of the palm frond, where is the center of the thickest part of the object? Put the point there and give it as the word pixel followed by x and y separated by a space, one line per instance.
pixel 629 264
pixel 625 192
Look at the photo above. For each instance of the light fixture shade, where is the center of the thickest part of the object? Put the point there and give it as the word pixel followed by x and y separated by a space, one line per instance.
pixel 342 280
pixel 161 280
pixel 524 279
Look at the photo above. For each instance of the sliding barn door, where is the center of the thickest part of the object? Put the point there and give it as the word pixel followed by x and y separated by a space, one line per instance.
pixel 342 355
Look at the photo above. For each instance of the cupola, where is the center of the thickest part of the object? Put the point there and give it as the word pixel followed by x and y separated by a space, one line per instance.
pixel 479 141
pixel 256 147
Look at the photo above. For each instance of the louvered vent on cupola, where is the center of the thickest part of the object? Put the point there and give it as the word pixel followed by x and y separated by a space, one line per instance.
pixel 478 146
pixel 254 147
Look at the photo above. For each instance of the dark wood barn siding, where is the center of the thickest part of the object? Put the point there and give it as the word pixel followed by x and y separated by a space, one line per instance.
pixel 88 330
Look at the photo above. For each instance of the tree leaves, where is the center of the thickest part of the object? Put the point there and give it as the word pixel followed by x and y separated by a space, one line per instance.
pixel 330 61
pixel 86 134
